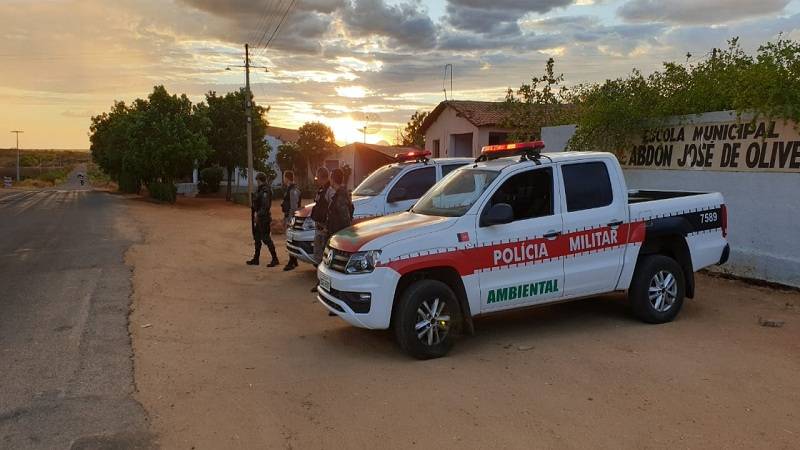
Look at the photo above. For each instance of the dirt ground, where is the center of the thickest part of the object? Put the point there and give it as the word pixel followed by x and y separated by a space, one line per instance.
pixel 230 356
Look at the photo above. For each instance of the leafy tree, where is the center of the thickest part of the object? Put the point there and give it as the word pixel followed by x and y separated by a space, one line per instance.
pixel 228 133
pixel 166 137
pixel 315 142
pixel 532 106
pixel 108 135
pixel 613 115
pixel 288 157
pixel 152 141
pixel 412 135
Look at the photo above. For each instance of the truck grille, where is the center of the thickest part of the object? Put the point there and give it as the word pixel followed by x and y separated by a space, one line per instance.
pixel 336 259
pixel 297 223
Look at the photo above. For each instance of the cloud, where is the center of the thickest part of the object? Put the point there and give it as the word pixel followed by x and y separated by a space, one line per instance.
pixel 698 12
pixel 518 6
pixel 405 24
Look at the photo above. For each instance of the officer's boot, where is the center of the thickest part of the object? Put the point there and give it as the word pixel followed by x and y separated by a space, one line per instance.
pixel 256 255
pixel 274 254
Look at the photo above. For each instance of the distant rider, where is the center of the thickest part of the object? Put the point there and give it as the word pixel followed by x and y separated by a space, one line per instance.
pixel 261 219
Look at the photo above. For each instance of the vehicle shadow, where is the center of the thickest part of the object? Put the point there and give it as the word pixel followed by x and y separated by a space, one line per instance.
pixel 512 328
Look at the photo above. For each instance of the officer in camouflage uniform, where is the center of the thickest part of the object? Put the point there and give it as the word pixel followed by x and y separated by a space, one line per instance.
pixel 261 220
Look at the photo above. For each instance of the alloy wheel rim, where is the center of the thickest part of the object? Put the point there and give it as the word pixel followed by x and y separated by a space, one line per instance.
pixel 433 322
pixel 663 291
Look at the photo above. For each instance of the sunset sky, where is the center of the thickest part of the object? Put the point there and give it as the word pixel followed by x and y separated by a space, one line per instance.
pixel 337 61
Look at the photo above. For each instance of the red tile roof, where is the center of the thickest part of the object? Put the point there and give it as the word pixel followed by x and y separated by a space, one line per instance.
pixel 480 114
pixel 283 134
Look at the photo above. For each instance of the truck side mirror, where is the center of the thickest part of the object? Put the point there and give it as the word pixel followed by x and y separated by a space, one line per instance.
pixel 498 214
pixel 397 194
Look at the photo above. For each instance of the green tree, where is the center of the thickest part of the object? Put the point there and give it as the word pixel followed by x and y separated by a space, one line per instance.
pixel 288 157
pixel 166 137
pixel 152 141
pixel 532 106
pixel 315 142
pixel 227 134
pixel 412 135
pixel 108 139
pixel 613 115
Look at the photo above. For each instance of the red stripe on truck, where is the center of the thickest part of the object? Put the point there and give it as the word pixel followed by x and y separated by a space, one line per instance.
pixel 468 261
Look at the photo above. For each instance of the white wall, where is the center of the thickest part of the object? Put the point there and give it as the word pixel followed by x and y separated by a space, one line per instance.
pixel 446 124
pixel 763 209
pixel 556 138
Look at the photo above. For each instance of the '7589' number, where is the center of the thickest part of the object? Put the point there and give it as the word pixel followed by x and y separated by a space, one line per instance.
pixel 709 217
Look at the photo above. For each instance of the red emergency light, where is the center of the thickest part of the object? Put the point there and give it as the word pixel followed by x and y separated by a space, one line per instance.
pixel 415 155
pixel 529 149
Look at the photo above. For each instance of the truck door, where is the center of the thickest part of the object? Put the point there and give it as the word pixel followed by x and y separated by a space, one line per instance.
pixel 409 188
pixel 523 255
pixel 595 212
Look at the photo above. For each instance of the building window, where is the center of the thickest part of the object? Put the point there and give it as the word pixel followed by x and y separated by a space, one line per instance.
pixel 436 149
pixel 498 138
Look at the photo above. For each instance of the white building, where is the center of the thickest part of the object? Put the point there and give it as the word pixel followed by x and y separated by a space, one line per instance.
pixel 275 137
pixel 461 128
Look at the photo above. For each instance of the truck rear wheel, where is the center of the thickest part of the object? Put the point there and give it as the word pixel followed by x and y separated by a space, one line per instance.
pixel 657 289
pixel 425 318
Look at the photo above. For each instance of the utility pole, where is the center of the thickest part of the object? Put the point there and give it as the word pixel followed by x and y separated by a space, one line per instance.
pixel 248 111
pixel 17 132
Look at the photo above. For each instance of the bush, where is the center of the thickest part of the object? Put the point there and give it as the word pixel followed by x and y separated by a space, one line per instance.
pixel 56 176
pixel 164 192
pixel 210 178
pixel 129 184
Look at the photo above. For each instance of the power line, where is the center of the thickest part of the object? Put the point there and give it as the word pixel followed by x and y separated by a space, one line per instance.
pixel 278 27
pixel 274 6
pixel 266 23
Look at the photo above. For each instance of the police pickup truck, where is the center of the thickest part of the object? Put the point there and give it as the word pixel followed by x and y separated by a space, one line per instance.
pixel 392 188
pixel 520 231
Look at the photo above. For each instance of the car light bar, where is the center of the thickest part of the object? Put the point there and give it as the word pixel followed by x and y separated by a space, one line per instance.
pixel 531 150
pixel 416 155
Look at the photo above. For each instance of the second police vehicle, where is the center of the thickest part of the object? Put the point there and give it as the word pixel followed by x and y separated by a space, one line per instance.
pixel 391 189
pixel 518 231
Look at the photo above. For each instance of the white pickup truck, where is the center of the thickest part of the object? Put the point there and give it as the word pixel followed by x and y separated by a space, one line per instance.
pixel 390 189
pixel 515 232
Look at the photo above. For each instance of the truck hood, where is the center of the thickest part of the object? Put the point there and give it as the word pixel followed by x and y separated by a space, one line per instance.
pixel 363 207
pixel 385 230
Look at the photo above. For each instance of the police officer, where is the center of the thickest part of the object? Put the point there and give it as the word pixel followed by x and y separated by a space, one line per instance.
pixel 261 219
pixel 340 212
pixel 319 213
pixel 290 204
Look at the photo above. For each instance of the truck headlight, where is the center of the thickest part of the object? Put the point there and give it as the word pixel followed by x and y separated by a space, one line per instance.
pixel 363 262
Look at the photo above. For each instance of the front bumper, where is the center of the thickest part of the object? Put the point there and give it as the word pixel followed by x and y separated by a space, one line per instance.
pixel 379 285
pixel 300 244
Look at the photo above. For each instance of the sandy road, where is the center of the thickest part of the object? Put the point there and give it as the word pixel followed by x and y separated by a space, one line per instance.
pixel 228 356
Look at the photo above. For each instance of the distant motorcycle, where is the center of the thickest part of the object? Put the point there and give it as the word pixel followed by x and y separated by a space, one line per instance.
pixel 81 179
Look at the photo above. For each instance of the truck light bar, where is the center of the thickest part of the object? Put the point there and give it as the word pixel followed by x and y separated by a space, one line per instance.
pixel 416 155
pixel 530 150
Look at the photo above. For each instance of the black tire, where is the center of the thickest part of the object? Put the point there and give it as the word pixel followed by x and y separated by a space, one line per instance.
pixel 645 277
pixel 406 318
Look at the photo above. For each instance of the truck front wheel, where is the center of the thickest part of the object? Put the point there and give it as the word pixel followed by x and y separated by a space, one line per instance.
pixel 426 314
pixel 657 289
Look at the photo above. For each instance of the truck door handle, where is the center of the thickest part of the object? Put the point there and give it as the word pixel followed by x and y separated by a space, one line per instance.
pixel 615 223
pixel 552 235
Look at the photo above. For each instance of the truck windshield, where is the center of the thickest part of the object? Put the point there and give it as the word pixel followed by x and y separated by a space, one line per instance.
pixel 377 182
pixel 456 194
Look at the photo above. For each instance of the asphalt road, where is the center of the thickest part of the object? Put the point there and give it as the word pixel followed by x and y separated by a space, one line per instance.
pixel 66 372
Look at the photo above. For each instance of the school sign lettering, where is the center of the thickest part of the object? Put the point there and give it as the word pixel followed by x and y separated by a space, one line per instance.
pixel 765 146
